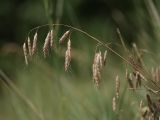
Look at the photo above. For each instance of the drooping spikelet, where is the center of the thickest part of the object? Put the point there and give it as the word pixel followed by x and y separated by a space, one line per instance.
pixel 129 79
pixel 64 36
pixel 46 44
pixel 141 105
pixel 137 78
pixel 51 41
pixel 68 55
pixel 114 104
pixel 96 69
pixel 150 103
pixel 29 47
pixel 25 53
pixel 117 86
pixel 34 47
pixel 100 59
pixel 105 57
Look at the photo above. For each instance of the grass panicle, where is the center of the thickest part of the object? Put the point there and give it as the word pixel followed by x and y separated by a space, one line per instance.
pixel 117 86
pixel 64 36
pixel 68 55
pixel 34 47
pixel 25 53
pixel 52 39
pixel 114 104
pixel 47 44
pixel 29 47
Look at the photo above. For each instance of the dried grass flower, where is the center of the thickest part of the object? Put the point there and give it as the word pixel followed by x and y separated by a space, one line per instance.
pixel 96 69
pixel 29 47
pixel 68 55
pixel 64 36
pixel 117 86
pixel 34 47
pixel 46 44
pixel 25 53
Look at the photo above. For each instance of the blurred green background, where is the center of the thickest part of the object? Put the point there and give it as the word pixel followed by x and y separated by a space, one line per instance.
pixel 66 96
pixel 135 19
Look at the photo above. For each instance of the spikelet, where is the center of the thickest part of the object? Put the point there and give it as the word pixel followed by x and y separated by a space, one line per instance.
pixel 138 79
pixel 34 47
pixel 104 57
pixel 150 103
pixel 68 55
pixel 46 44
pixel 114 104
pixel 64 36
pixel 25 53
pixel 129 79
pixel 117 86
pixel 29 46
pixel 141 105
pixel 100 59
pixel 96 69
pixel 51 41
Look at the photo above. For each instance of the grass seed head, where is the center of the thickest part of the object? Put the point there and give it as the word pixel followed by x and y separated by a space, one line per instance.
pixel 104 57
pixel 52 37
pixel 117 86
pixel 34 47
pixel 29 46
pixel 68 55
pixel 64 36
pixel 150 103
pixel 96 69
pixel 25 53
pixel 141 105
pixel 46 44
pixel 137 78
pixel 114 104
pixel 129 79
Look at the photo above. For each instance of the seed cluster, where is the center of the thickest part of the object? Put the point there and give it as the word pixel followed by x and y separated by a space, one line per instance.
pixel 28 49
pixel 68 55
pixel 48 43
pixel 135 78
pixel 97 67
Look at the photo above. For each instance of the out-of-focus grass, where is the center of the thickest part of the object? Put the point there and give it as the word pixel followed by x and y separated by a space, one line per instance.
pixel 60 96
pixel 69 95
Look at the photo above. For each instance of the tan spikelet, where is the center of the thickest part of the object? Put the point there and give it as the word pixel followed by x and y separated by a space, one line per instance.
pixel 117 86
pixel 105 57
pixel 34 47
pixel 46 45
pixel 68 55
pixel 64 36
pixel 141 105
pixel 29 47
pixel 138 79
pixel 96 69
pixel 150 103
pixel 25 53
pixel 100 59
pixel 51 41
pixel 129 79
pixel 114 104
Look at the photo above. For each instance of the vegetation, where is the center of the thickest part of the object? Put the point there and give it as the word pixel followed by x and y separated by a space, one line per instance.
pixel 63 72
